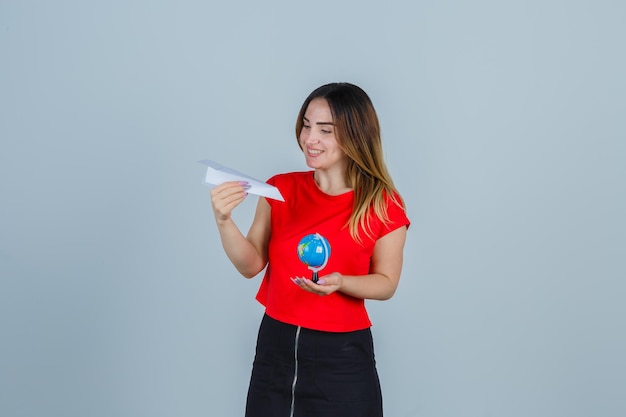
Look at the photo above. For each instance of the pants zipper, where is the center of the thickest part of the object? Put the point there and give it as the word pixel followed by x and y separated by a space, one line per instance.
pixel 295 373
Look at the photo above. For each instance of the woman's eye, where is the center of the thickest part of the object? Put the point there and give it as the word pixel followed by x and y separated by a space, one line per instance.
pixel 306 127
pixel 326 131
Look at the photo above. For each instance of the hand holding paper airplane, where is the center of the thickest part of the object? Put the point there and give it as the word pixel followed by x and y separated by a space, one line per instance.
pixel 217 174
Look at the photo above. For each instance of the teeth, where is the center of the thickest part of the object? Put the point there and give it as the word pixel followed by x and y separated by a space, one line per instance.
pixel 314 152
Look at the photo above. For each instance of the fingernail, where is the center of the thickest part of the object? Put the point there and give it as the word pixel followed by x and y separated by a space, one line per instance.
pixel 243 182
pixel 247 187
pixel 321 282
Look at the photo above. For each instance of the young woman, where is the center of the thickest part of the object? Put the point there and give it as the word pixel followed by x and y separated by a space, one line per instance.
pixel 314 354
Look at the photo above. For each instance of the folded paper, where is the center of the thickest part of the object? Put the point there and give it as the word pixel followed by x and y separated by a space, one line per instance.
pixel 217 174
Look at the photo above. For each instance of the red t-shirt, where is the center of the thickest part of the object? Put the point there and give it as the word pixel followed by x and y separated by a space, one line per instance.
pixel 308 210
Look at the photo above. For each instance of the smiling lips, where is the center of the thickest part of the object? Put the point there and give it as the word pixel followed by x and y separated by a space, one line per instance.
pixel 313 152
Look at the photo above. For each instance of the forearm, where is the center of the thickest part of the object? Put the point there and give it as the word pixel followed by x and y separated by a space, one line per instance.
pixel 372 286
pixel 241 252
pixel 385 270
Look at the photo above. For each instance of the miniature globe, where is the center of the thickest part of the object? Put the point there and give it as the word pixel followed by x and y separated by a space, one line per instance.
pixel 314 250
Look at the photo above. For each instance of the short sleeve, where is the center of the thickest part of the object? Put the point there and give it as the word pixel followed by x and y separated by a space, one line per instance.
pixel 396 214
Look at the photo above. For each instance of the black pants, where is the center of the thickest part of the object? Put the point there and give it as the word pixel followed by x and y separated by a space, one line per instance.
pixel 307 373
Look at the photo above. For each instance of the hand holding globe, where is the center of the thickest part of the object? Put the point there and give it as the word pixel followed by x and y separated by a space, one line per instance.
pixel 314 251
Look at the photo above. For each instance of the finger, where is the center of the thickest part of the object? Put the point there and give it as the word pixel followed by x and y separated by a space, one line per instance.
pixel 315 288
pixel 308 285
pixel 227 196
pixel 331 279
pixel 233 198
pixel 229 202
pixel 296 281
pixel 228 184
pixel 302 282
pixel 223 211
pixel 228 189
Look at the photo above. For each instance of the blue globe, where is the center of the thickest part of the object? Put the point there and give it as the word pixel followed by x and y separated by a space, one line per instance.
pixel 314 250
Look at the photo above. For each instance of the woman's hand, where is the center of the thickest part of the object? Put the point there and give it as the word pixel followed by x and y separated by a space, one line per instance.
pixel 226 196
pixel 327 284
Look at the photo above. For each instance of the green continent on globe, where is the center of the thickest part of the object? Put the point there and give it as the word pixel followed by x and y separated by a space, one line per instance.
pixel 302 248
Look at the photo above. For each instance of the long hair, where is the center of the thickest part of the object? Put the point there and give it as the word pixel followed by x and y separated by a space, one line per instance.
pixel 358 133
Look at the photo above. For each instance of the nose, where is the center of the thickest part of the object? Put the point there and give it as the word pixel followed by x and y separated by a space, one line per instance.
pixel 310 137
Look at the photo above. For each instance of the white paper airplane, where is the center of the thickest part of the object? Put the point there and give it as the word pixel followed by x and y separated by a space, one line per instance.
pixel 217 174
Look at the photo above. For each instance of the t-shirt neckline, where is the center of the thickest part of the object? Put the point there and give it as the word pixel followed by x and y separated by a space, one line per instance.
pixel 311 178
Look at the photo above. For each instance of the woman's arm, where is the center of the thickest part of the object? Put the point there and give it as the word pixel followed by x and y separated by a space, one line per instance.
pixel 384 275
pixel 247 253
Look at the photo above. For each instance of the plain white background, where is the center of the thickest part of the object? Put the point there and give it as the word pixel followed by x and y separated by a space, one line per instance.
pixel 503 125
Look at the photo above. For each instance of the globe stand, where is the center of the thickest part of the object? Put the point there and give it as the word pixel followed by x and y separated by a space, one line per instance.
pixel 314 278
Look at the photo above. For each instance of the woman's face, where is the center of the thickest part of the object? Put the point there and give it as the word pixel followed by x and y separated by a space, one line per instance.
pixel 317 137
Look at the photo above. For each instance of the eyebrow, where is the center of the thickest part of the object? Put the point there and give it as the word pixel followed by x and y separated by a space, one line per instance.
pixel 319 123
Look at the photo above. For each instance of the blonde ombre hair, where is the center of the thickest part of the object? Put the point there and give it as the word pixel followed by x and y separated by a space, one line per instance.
pixel 358 133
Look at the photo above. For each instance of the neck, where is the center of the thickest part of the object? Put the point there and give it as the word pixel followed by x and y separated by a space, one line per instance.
pixel 331 183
